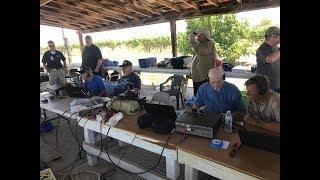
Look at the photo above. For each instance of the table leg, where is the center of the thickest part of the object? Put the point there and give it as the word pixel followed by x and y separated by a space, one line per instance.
pixel 89 138
pixel 172 168
pixel 190 173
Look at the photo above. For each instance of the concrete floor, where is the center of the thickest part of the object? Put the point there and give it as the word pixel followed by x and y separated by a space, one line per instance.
pixel 68 149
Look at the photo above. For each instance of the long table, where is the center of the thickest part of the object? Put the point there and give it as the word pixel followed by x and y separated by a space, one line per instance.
pixel 194 152
pixel 235 73
pixel 126 131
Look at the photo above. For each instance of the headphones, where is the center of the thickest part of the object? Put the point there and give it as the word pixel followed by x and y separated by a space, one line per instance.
pixel 262 89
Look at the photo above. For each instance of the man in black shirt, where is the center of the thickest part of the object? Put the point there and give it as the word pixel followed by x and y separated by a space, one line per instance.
pixel 51 61
pixel 91 57
pixel 268 57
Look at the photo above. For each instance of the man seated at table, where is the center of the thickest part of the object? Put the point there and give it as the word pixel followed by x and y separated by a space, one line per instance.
pixel 129 79
pixel 93 84
pixel 218 95
pixel 264 104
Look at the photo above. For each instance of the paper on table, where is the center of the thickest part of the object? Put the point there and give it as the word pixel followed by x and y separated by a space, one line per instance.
pixel 225 144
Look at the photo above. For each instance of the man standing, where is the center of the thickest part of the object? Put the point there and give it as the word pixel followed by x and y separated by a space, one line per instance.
pixel 264 104
pixel 51 61
pixel 91 57
pixel 268 57
pixel 204 57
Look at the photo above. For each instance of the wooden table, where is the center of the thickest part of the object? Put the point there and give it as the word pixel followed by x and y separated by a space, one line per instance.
pixel 248 163
pixel 126 130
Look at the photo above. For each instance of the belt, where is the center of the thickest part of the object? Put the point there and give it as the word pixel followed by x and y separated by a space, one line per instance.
pixel 55 69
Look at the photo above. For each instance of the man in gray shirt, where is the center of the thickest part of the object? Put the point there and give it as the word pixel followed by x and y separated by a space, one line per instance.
pixel 268 57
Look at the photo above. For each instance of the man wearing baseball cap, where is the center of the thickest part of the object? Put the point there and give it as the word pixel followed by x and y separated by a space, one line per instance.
pixel 91 56
pixel 268 57
pixel 93 84
pixel 129 79
pixel 204 57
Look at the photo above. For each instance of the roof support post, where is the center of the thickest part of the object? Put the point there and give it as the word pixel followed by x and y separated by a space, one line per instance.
pixel 173 37
pixel 80 40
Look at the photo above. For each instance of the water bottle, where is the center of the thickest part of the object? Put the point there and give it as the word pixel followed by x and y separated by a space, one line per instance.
pixel 228 122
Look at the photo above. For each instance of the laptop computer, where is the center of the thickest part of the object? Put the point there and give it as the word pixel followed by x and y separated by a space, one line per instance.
pixel 259 140
pixel 160 112
pixel 76 92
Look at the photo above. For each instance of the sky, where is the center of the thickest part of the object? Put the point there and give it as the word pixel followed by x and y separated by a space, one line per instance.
pixel 162 29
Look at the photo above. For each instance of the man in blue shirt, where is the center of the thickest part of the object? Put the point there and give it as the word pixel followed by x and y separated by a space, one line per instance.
pixel 93 84
pixel 218 95
pixel 129 80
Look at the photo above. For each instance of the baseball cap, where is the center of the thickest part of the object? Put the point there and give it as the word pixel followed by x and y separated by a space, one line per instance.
pixel 273 31
pixel 206 32
pixel 85 70
pixel 88 37
pixel 126 63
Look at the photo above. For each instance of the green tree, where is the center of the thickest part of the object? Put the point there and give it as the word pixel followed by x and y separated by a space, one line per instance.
pixel 257 32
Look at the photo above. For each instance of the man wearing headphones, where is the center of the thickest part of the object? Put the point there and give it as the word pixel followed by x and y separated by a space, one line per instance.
pixel 93 84
pixel 264 104
pixel 218 95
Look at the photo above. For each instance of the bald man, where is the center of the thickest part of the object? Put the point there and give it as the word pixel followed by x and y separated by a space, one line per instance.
pixel 218 95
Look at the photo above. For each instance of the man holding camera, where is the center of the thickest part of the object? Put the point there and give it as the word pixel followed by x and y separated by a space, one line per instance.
pixel 204 57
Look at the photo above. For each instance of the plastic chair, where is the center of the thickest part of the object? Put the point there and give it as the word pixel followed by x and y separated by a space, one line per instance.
pixel 161 97
pixel 177 82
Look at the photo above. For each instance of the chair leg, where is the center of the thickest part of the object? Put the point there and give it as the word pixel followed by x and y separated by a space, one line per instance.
pixel 177 99
pixel 182 102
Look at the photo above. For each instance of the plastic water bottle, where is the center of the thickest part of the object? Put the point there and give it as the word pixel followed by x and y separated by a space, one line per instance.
pixel 228 122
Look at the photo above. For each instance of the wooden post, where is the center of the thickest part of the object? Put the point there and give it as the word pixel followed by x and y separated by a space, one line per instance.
pixel 80 40
pixel 173 37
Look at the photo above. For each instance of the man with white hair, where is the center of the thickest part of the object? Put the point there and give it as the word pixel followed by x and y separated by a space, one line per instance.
pixel 218 95
pixel 204 57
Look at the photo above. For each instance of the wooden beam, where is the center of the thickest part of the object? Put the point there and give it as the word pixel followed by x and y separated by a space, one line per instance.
pixel 214 2
pixel 191 4
pixel 173 38
pixel 74 13
pixel 138 11
pixel 57 24
pixel 144 5
pixel 108 9
pixel 80 7
pixel 168 4
pixel 101 9
pixel 43 2
pixel 67 19
pixel 63 22
pixel 73 18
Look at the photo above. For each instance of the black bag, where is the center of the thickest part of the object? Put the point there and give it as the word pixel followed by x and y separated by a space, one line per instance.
pixel 177 62
pixel 259 140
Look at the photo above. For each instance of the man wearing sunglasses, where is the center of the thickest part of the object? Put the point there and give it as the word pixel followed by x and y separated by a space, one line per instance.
pixel 268 57
pixel 51 61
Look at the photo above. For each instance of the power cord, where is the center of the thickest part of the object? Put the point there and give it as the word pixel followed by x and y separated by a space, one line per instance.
pixel 138 172
pixel 114 169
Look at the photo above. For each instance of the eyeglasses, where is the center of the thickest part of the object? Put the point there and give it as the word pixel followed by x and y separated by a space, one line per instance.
pixel 51 45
